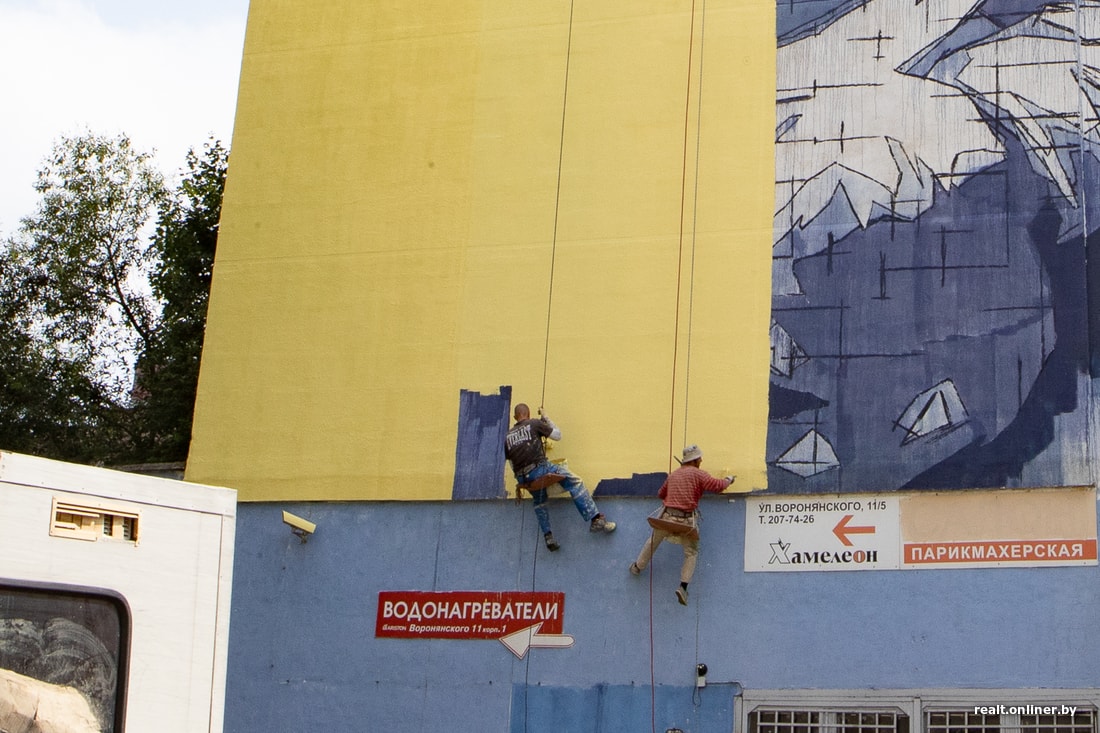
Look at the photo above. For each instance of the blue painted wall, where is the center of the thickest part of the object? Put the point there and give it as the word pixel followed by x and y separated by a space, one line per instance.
pixel 483 421
pixel 303 654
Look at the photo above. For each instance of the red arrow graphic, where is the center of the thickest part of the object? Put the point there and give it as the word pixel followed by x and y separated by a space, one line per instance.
pixel 842 530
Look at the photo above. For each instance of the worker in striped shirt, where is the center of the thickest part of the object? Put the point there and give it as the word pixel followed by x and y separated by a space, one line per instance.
pixel 680 494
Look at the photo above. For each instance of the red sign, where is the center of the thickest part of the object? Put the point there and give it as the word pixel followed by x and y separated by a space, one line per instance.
pixel 467 614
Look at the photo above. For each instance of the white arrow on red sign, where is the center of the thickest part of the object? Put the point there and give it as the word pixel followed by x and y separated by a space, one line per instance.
pixel 842 530
pixel 518 642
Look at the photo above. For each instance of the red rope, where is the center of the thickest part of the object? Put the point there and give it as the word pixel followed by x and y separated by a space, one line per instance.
pixel 652 677
pixel 675 349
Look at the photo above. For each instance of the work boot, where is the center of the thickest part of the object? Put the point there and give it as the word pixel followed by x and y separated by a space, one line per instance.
pixel 601 524
pixel 682 595
pixel 634 569
pixel 551 543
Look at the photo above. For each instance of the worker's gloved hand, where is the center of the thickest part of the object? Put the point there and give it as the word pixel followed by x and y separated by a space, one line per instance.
pixel 730 479
pixel 555 433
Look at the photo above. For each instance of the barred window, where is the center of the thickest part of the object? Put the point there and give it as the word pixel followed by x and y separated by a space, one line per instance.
pixel 884 711
pixel 828 721
pixel 1081 721
pixel 962 721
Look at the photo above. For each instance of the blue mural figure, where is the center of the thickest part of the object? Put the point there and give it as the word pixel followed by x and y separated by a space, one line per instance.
pixel 936 169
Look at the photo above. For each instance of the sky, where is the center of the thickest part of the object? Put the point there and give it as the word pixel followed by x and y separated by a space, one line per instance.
pixel 163 73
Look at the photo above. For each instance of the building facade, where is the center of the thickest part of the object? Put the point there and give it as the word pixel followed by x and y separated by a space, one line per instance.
pixel 844 247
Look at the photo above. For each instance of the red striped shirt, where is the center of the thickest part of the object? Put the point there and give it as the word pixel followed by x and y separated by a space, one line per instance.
pixel 684 486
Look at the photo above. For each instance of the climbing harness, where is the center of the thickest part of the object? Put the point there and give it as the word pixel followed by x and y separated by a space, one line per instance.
pixel 688 530
pixel 540 483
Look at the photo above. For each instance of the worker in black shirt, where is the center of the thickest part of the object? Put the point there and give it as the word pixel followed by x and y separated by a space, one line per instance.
pixel 524 450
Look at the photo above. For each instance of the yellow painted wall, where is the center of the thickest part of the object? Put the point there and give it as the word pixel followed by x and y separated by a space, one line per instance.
pixel 406 183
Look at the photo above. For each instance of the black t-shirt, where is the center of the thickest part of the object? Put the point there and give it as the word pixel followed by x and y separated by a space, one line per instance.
pixel 523 443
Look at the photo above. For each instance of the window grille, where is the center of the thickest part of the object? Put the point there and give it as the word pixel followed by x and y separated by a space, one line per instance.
pixel 821 716
pixel 120 527
pixel 966 721
pixel 1081 721
pixel 961 721
pixel 828 721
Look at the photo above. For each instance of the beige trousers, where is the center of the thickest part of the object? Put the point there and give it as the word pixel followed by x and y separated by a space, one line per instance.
pixel 691 547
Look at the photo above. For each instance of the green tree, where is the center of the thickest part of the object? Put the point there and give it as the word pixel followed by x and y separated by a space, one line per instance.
pixel 86 250
pixel 47 406
pixel 184 244
pixel 106 312
pixel 75 292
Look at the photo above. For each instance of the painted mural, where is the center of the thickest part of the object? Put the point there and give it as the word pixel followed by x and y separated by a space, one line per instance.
pixel 936 206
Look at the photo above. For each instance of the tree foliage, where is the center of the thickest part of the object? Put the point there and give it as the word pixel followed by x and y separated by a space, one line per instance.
pixel 85 294
pixel 85 257
pixel 185 241
pixel 47 406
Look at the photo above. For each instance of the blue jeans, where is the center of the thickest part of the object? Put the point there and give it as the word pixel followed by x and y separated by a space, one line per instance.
pixel 571 483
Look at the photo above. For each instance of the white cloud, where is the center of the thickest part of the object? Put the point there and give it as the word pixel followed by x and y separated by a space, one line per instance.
pixel 169 82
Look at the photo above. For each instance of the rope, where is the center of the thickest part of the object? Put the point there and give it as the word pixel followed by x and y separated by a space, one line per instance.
pixel 527 659
pixel 676 323
pixel 549 312
pixel 691 302
pixel 680 244
pixel 557 207
pixel 694 213
pixel 698 614
pixel 652 664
